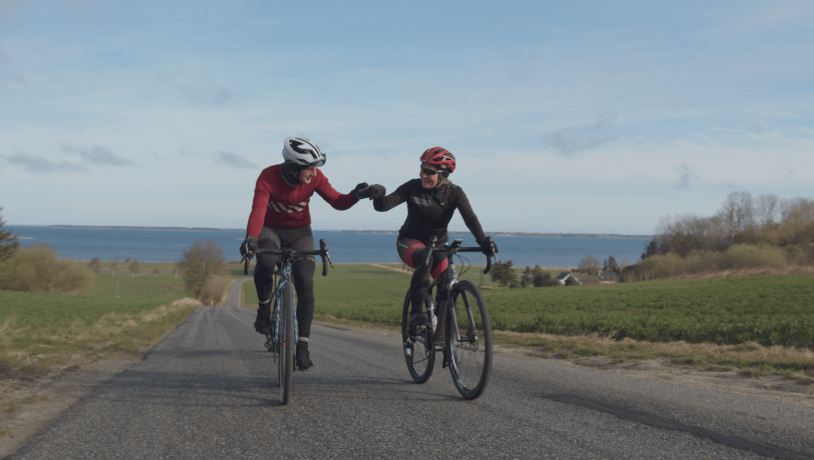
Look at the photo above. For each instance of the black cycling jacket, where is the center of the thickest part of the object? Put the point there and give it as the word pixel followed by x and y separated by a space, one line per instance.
pixel 429 211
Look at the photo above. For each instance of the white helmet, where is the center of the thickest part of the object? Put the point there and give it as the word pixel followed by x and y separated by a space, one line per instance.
pixel 302 151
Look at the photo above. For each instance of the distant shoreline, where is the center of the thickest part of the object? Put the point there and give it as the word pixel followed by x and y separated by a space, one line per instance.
pixel 374 232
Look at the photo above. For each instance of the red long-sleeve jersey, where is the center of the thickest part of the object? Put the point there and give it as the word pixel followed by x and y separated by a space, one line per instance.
pixel 277 204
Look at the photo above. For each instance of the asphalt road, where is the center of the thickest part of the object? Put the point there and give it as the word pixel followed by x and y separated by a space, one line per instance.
pixel 209 391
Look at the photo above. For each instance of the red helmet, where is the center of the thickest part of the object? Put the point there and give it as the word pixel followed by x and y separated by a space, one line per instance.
pixel 440 158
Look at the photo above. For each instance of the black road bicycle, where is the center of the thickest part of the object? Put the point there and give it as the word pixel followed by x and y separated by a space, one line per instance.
pixel 467 345
pixel 281 339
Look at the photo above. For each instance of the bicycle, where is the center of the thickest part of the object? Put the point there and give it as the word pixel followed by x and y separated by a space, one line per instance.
pixel 282 337
pixel 468 356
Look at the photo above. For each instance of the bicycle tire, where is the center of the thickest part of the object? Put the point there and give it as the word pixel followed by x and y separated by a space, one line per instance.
pixel 418 351
pixel 287 345
pixel 470 359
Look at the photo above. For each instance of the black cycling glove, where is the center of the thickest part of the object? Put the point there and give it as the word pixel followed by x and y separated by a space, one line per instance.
pixel 248 245
pixel 361 191
pixel 376 191
pixel 488 245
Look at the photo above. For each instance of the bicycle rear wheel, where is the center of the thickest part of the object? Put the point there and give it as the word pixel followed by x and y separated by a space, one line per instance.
pixel 286 362
pixel 418 349
pixel 470 357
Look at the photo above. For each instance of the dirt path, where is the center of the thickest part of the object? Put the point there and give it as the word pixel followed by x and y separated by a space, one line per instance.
pixel 392 268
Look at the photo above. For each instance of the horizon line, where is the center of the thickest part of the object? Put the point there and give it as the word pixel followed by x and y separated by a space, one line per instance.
pixel 493 233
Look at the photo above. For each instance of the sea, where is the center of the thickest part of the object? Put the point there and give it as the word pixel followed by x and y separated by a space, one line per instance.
pixel 168 244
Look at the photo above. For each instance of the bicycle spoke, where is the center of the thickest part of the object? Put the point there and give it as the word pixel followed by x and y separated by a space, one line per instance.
pixel 470 357
pixel 418 351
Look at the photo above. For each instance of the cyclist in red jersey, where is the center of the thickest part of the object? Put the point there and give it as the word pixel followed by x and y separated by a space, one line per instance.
pixel 431 201
pixel 281 214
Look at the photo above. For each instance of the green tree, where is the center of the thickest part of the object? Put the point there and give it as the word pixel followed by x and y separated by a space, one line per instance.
pixel 8 242
pixel 540 277
pixel 504 274
pixel 527 277
pixel 653 248
pixel 610 265
pixel 201 261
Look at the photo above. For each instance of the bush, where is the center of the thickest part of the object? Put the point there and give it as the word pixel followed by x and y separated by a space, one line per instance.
pixel 750 256
pixel 134 267
pixel 201 260
pixel 213 290
pixel 738 256
pixel 38 269
pixel 95 265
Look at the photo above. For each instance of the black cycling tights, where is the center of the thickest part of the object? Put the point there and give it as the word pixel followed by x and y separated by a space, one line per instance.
pixel 302 271
pixel 412 252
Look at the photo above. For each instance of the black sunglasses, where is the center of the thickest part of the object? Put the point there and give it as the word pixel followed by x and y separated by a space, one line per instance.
pixel 429 172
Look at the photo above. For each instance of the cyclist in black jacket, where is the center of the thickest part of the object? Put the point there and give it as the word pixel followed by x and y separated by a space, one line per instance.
pixel 431 201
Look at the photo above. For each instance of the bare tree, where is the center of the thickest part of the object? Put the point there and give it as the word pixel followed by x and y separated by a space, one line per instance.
pixel 738 213
pixel 589 264
pixel 766 209
pixel 134 268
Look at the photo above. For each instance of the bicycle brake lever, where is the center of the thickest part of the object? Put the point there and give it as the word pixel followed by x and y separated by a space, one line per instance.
pixel 246 262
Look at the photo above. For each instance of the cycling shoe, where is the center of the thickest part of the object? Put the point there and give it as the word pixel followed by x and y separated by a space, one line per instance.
pixel 262 324
pixel 303 357
pixel 417 323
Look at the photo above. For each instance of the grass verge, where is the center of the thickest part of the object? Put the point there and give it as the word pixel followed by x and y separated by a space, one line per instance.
pixel 121 313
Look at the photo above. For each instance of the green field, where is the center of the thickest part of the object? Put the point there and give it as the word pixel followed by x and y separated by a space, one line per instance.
pixel 765 320
pixel 119 313
pixel 769 310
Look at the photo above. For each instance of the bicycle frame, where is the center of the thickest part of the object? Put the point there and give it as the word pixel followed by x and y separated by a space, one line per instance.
pixel 468 356
pixel 273 337
pixel 284 316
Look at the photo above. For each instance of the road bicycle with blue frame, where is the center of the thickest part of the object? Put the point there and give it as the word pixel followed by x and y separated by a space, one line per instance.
pixel 467 344
pixel 281 339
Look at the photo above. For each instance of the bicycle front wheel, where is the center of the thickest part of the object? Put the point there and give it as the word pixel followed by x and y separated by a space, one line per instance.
pixel 418 349
pixel 286 361
pixel 469 340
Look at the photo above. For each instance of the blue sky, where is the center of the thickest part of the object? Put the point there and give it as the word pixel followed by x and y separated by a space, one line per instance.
pixel 587 117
